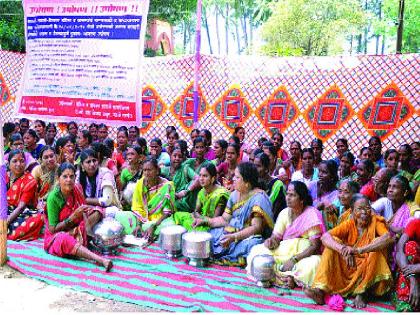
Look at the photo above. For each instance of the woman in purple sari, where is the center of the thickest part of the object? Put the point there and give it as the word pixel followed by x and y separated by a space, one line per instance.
pixel 246 221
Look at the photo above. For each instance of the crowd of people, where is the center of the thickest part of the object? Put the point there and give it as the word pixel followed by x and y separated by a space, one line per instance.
pixel 345 224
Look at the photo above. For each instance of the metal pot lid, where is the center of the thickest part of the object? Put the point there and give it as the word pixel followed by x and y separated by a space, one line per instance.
pixel 196 236
pixel 173 230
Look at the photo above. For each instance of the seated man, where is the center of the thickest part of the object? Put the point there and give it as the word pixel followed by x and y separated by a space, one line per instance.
pixel 354 261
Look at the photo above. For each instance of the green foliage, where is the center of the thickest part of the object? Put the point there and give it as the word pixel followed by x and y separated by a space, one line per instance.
pixel 173 11
pixel 316 27
pixel 12 26
pixel 411 26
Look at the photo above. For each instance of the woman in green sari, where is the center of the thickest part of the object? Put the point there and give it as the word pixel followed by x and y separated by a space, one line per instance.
pixel 153 200
pixel 211 199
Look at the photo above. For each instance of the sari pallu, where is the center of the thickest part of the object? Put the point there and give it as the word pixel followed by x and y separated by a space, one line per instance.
pixel 371 273
pixel 150 205
pixel 242 213
pixel 65 243
pixel 28 225
pixel 208 204
pixel 296 237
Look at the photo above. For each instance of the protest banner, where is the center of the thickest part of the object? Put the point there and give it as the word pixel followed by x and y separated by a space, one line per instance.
pixel 83 61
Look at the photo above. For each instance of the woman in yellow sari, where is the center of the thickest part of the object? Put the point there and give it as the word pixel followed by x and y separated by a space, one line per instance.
pixel 354 260
pixel 295 242
pixel 153 200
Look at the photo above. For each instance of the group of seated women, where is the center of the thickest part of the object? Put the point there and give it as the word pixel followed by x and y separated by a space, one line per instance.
pixel 339 226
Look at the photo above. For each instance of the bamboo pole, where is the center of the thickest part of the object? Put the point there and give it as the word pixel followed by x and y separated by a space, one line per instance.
pixel 197 64
pixel 3 200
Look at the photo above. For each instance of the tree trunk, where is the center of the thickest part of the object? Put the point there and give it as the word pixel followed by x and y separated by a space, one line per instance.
pixel 383 44
pixel 366 30
pixel 351 44
pixel 227 29
pixel 184 42
pixel 217 29
pixel 206 25
pixel 251 35
pixel 359 43
pixel 380 19
pixel 245 31
pixel 238 42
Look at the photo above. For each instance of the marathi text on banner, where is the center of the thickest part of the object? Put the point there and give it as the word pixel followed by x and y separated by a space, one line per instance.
pixel 83 60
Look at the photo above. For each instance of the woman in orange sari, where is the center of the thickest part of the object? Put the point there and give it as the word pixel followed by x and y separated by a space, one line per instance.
pixel 354 260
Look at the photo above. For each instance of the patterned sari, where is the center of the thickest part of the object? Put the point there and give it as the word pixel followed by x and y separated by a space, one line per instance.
pixel 401 296
pixel 242 213
pixel 28 225
pixel 296 237
pixel 58 208
pixel 149 205
pixel 207 203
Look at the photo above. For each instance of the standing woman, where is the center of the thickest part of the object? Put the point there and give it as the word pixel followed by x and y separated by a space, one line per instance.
pixel 246 221
pixel 72 129
pixel 45 174
pixel 220 147
pixel 308 172
pixel 23 221
pixel 40 129
pixel 211 199
pixel 226 170
pixel 30 140
pixel 317 146
pixel 153 200
pixel 324 192
pixel 273 186
pixel 240 133
pixel 391 157
pixel 51 134
pixel 68 218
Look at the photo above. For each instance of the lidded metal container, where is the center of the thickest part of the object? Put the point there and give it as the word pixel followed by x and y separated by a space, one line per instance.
pixel 171 240
pixel 196 246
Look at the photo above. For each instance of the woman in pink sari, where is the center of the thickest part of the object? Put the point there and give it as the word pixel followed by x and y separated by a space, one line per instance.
pixel 295 242
pixel 67 217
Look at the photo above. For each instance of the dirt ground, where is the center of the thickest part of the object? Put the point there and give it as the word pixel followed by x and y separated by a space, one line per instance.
pixel 22 295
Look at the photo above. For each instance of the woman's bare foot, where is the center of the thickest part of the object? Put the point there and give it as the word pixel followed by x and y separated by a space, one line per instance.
pixel 108 264
pixel 315 294
pixel 359 301
pixel 290 282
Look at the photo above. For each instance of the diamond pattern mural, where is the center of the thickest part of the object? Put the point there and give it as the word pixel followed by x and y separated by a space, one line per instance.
pixel 386 112
pixel 329 113
pixel 152 107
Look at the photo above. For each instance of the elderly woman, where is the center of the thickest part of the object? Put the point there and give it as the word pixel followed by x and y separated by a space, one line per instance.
pixel 407 295
pixel 153 200
pixel 246 221
pixel 295 242
pixel 211 199
pixel 45 173
pixel 273 186
pixel 346 190
pixel 354 259
pixel 23 221
pixel 68 218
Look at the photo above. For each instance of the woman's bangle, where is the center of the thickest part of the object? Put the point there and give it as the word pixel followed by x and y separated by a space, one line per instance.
pixel 236 237
pixel 294 259
pixel 411 275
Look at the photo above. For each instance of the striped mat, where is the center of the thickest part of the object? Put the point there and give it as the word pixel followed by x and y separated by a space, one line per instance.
pixel 147 278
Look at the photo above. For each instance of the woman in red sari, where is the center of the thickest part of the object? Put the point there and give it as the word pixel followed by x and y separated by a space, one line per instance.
pixel 23 221
pixel 67 216
pixel 407 295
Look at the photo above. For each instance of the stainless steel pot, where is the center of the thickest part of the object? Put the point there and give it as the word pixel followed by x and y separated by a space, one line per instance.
pixel 196 246
pixel 262 269
pixel 171 240
pixel 108 234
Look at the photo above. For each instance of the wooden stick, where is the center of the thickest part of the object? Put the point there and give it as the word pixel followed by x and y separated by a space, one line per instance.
pixel 3 242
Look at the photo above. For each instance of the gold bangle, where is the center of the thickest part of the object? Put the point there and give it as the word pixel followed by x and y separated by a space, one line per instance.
pixel 236 238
